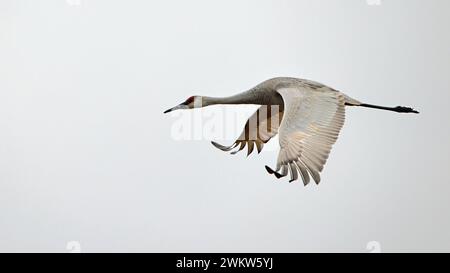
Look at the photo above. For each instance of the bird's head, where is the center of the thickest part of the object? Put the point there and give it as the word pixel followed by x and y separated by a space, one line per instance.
pixel 190 103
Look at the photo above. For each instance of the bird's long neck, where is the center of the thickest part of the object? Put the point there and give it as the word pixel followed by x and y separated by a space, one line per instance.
pixel 248 97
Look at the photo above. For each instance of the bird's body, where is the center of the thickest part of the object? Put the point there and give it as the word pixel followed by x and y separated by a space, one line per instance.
pixel 305 114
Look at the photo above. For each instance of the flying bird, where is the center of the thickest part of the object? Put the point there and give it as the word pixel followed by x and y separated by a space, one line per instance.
pixel 306 115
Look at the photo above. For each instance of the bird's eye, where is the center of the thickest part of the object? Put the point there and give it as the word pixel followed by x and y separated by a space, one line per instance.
pixel 189 100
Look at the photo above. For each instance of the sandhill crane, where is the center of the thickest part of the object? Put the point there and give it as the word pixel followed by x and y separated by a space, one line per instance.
pixel 308 117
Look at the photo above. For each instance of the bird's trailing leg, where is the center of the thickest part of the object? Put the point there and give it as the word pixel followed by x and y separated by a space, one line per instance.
pixel 398 109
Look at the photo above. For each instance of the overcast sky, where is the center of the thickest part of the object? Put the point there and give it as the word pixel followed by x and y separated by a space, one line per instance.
pixel 86 154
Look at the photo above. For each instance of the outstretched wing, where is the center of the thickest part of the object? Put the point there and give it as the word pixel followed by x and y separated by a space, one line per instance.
pixel 311 124
pixel 259 129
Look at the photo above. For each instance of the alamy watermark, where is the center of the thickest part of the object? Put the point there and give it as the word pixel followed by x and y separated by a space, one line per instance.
pixel 225 123
pixel 374 247
pixel 373 2
pixel 73 247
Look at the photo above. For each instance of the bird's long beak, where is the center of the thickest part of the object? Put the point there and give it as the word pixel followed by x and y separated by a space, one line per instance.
pixel 180 106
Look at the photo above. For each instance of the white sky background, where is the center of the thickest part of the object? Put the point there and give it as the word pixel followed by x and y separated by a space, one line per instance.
pixel 87 155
